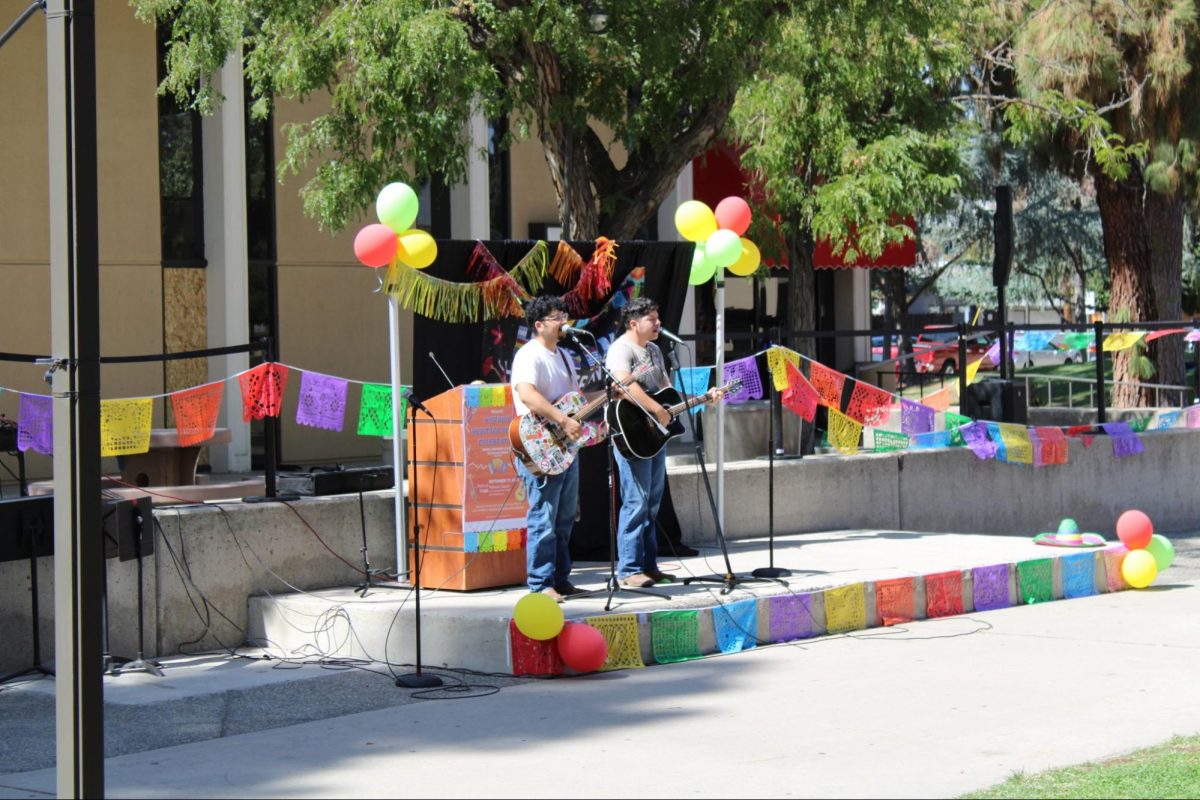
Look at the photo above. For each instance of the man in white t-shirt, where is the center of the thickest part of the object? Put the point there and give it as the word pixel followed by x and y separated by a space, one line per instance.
pixel 541 373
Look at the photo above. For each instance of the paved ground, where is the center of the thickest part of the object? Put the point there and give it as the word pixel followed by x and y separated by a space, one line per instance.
pixel 934 708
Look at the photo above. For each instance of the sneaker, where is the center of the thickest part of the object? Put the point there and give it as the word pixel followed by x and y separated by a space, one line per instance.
pixel 637 580
pixel 684 550
pixel 660 577
pixel 568 589
pixel 553 594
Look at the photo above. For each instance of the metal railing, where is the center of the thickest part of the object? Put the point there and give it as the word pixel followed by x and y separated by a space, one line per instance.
pixel 1051 381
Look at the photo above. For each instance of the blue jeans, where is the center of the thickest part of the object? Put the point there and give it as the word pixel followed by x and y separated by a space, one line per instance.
pixel 642 482
pixel 553 500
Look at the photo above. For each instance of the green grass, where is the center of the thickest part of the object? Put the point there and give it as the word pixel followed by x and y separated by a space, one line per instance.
pixel 1168 770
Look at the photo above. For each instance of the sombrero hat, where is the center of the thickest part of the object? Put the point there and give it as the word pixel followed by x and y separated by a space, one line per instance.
pixel 1068 535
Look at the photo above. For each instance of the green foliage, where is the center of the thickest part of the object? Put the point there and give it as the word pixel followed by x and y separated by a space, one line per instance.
pixel 393 82
pixel 848 125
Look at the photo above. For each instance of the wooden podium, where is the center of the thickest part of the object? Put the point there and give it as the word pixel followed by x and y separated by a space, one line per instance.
pixel 469 499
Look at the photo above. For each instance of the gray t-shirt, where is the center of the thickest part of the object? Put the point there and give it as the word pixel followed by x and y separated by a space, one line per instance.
pixel 624 355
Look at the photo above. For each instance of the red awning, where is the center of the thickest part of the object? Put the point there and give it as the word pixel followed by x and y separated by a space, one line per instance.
pixel 718 174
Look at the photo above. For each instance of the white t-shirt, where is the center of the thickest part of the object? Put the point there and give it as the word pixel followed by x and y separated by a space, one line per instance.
pixel 547 371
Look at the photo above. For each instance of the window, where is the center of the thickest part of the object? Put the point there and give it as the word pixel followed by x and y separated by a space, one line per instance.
pixel 499 180
pixel 180 177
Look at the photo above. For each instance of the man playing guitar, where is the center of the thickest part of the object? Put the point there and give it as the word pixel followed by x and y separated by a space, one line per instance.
pixel 642 480
pixel 541 372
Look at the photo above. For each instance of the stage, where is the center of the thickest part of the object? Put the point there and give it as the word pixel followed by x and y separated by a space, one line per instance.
pixel 839 578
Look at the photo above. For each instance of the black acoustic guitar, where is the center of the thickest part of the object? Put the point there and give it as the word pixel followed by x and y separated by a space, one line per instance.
pixel 638 434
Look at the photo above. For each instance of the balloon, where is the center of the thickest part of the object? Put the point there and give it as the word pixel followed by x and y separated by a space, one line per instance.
pixel 748 261
pixel 375 245
pixel 1134 529
pixel 538 616
pixel 1163 551
pixel 695 221
pixel 733 214
pixel 417 249
pixel 582 647
pixel 701 272
pixel 396 206
pixel 723 248
pixel 1138 569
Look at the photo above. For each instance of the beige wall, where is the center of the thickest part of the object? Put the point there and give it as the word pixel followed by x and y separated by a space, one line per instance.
pixel 130 275
pixel 330 319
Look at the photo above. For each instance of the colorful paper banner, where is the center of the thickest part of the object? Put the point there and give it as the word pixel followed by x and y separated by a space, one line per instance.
pixel 125 426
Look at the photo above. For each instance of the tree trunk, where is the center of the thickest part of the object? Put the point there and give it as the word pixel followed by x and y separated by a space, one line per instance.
pixel 1127 249
pixel 566 157
pixel 1164 222
pixel 802 307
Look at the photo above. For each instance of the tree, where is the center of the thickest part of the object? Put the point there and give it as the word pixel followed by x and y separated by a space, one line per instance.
pixel 1115 85
pixel 848 128
pixel 622 94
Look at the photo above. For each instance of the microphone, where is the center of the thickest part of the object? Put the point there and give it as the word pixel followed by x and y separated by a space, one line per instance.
pixel 671 336
pixel 573 332
pixel 417 404
pixel 433 358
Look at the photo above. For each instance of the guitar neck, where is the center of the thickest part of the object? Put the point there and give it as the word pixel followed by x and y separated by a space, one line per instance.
pixel 588 408
pixel 679 408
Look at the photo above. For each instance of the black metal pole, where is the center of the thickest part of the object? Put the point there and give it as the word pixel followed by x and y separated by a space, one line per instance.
pixel 1002 324
pixel 962 366
pixel 269 436
pixel 1196 371
pixel 1101 405
pixel 417 680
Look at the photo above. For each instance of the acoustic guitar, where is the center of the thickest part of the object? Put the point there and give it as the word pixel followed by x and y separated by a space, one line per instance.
pixel 638 434
pixel 543 446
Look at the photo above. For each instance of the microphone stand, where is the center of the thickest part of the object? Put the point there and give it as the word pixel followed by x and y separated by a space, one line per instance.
pixel 614 584
pixel 416 680
pixel 772 571
pixel 729 580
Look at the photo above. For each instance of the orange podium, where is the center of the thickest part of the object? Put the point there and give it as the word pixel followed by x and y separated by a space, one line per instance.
pixel 469 500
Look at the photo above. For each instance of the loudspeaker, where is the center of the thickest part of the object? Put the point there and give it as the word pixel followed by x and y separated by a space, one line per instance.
pixel 997 400
pixel 335 480
pixel 1002 228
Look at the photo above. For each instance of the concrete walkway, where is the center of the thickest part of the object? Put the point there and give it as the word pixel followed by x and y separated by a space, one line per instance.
pixel 932 709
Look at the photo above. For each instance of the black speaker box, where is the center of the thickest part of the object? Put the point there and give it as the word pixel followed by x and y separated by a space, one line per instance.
pixel 334 480
pixel 1002 228
pixel 997 400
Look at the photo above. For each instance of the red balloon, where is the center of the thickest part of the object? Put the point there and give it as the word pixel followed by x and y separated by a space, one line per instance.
pixel 1134 529
pixel 582 647
pixel 375 245
pixel 733 214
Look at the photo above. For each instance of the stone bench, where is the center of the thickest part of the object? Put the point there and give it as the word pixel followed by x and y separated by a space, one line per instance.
pixel 166 463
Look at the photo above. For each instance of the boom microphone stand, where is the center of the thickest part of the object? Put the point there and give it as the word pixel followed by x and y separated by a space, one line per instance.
pixel 614 585
pixel 729 580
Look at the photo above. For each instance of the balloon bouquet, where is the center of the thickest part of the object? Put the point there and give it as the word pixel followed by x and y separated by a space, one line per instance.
pixel 1149 552
pixel 580 646
pixel 718 237
pixel 393 237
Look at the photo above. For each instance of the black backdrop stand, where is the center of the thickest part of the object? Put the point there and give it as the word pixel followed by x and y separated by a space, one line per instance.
pixel 369 573
pixel 730 579
pixel 772 571
pixel 141 663
pixel 416 680
pixel 37 667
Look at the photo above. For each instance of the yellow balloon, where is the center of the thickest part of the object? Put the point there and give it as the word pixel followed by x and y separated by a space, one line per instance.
pixel 695 221
pixel 538 617
pixel 748 261
pixel 1139 569
pixel 417 249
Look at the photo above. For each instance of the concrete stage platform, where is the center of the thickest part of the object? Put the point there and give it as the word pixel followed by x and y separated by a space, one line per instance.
pixel 471 629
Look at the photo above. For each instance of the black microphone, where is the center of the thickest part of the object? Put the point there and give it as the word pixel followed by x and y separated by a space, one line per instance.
pixel 417 404
pixel 433 358
pixel 573 332
pixel 671 336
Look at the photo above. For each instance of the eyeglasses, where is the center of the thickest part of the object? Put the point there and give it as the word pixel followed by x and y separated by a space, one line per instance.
pixel 556 318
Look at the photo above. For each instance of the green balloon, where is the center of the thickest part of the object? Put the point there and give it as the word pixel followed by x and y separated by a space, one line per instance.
pixel 702 270
pixel 396 206
pixel 1163 551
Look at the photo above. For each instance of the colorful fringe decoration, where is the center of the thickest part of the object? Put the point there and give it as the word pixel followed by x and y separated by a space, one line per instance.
pixel 595 278
pixel 565 265
pixel 499 295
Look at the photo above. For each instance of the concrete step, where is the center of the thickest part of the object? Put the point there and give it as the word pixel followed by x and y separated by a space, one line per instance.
pixel 471 630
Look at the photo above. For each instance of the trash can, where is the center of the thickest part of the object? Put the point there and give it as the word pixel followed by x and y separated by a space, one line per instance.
pixel 998 401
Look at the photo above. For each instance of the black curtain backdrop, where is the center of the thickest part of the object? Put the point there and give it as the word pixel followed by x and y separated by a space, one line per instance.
pixel 483 350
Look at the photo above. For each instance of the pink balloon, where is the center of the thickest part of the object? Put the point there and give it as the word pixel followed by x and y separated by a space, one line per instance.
pixel 1134 529
pixel 375 245
pixel 733 214
pixel 582 647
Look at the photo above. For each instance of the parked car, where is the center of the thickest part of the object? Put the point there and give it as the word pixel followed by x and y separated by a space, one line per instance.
pixel 936 350
pixel 1051 356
